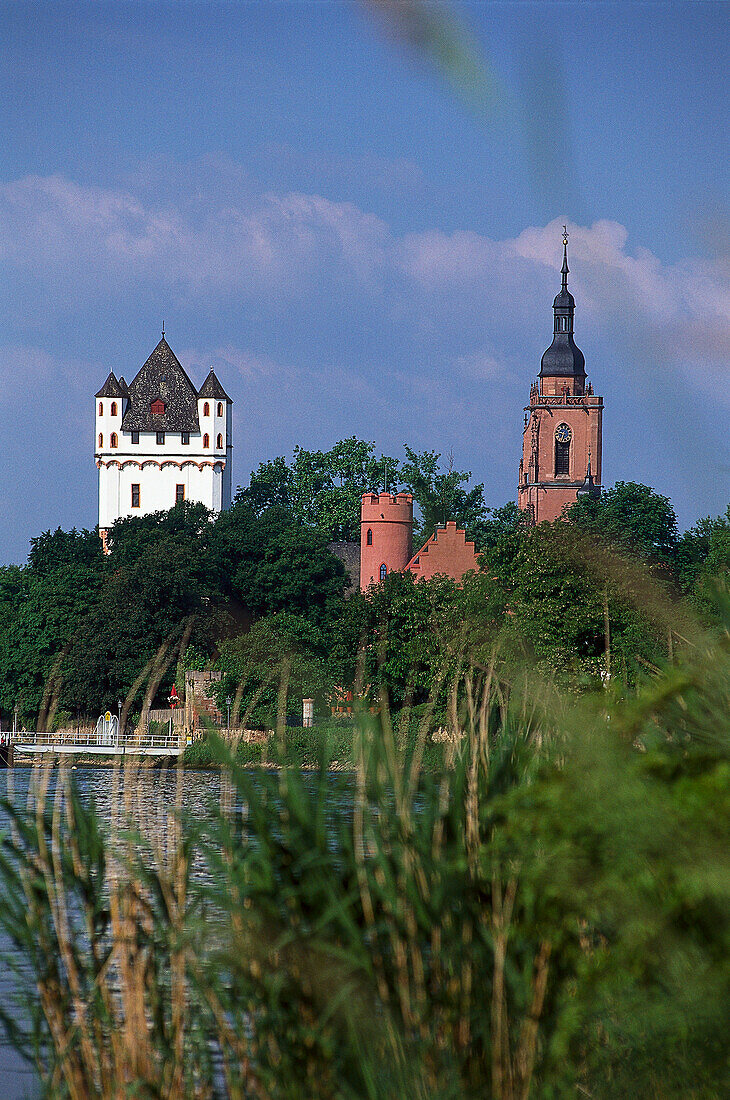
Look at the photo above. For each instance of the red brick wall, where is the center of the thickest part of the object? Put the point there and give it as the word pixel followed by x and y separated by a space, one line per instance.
pixel 447 552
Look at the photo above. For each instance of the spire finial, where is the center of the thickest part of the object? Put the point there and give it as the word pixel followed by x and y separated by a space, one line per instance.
pixel 588 474
pixel 565 267
pixel 163 330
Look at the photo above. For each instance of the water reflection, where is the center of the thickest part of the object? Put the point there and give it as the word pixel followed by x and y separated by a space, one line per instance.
pixel 154 797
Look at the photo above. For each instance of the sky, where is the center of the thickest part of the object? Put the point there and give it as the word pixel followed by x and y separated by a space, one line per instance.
pixel 362 235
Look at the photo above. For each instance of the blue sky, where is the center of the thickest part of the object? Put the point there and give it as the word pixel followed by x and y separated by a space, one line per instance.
pixel 355 242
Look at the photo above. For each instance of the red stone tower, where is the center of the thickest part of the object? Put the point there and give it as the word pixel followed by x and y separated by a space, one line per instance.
pixel 386 535
pixel 561 445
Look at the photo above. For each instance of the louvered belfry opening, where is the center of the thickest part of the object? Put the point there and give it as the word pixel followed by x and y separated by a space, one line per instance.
pixel 562 458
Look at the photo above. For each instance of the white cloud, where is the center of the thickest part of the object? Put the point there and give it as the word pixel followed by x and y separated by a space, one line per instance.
pixel 454 290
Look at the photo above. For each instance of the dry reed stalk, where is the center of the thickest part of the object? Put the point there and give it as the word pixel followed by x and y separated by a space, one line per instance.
pixel 527 1048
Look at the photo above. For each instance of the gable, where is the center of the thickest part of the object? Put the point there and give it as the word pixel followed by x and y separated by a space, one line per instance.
pixel 161 396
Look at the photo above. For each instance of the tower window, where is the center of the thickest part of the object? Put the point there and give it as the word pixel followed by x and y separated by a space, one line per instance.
pixel 383 571
pixel 185 438
pixel 206 409
pixel 114 408
pixel 563 436
pixel 179 494
pixel 206 440
pixel 160 438
pixel 101 408
pixel 114 441
pixel 135 496
pixel 369 538
pixel 220 408
pixel 101 440
pixel 135 437
pixel 219 441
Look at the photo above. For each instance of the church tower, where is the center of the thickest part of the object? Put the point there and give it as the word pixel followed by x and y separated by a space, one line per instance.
pixel 561 444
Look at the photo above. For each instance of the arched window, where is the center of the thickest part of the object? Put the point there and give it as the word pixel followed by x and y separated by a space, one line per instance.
pixel 113 441
pixel 369 538
pixel 114 408
pixel 206 409
pixel 219 440
pixel 220 408
pixel 206 440
pixel 101 408
pixel 101 440
pixel 563 436
pixel 383 571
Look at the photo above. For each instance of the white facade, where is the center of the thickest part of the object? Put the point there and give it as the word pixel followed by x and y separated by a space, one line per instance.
pixel 146 471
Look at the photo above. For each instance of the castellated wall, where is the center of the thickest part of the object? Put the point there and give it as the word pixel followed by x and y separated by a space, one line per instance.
pixel 386 535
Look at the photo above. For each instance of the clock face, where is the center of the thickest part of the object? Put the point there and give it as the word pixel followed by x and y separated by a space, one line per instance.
pixel 563 433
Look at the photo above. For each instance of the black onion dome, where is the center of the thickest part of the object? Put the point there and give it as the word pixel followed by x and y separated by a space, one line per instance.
pixel 563 358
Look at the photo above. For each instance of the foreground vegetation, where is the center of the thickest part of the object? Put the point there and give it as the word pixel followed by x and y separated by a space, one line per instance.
pixel 543 911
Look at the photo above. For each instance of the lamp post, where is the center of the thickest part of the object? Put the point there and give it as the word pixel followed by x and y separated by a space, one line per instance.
pixel 228 705
pixel 119 718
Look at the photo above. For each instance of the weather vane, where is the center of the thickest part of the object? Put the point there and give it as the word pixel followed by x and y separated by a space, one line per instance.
pixel 565 234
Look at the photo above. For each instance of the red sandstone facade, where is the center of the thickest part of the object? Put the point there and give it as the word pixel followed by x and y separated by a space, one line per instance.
pixel 446 553
pixel 562 439
pixel 386 543
pixel 386 535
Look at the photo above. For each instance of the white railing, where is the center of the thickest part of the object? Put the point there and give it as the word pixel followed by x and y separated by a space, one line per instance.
pixel 81 739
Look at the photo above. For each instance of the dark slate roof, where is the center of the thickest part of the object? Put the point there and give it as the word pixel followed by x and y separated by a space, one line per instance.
pixel 124 386
pixel 162 377
pixel 563 358
pixel 112 388
pixel 212 388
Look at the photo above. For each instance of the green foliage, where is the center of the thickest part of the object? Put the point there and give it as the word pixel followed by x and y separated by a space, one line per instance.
pixel 321 489
pixel 632 516
pixel 545 911
pixel 398 627
pixel 702 555
pixel 441 496
pixel 251 664
pixel 63 549
pixel 576 607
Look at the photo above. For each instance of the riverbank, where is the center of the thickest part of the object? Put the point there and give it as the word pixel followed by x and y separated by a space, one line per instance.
pixel 336 743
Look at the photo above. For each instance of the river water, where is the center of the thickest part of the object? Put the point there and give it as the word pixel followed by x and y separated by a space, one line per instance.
pixel 156 793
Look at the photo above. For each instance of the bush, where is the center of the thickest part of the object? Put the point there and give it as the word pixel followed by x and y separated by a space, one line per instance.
pixel 544 909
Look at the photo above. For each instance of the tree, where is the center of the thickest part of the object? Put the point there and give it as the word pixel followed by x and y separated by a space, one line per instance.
pixel 272 562
pixel 254 664
pixel 321 489
pixel 632 515
pixel 581 609
pixel 42 608
pixel 441 494
pixel 399 625
pixel 61 549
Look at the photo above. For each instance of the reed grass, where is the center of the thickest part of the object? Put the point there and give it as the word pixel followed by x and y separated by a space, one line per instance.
pixel 543 914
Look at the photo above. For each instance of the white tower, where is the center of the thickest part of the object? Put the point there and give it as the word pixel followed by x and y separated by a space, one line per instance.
pixel 160 441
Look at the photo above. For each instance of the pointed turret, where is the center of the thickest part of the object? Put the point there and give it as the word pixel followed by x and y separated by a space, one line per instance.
pixel 563 359
pixel 589 488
